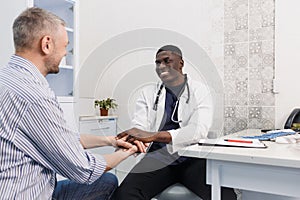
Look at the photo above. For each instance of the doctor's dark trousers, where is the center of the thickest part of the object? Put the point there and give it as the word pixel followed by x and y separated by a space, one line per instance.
pixel 150 177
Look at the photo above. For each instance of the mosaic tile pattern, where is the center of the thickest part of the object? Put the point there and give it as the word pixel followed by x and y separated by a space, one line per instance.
pixel 236 21
pixel 248 64
pixel 236 74
pixel 236 119
pixel 261 19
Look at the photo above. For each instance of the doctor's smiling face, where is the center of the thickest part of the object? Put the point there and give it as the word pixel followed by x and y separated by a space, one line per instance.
pixel 169 68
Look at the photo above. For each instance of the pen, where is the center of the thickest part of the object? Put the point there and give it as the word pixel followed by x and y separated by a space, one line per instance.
pixel 235 140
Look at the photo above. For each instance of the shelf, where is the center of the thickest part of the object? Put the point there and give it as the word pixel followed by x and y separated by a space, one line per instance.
pixel 62 82
pixel 66 67
pixel 70 1
pixel 65 99
pixel 71 30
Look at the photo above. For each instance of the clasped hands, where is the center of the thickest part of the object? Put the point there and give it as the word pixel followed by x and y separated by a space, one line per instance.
pixel 138 138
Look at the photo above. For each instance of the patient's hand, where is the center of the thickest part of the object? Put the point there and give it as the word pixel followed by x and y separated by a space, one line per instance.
pixel 132 150
pixel 124 140
pixel 121 142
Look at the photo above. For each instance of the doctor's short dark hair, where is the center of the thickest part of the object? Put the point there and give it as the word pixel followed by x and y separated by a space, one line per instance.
pixel 171 48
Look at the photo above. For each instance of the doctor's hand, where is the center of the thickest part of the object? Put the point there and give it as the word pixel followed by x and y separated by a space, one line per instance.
pixel 145 136
pixel 137 134
pixel 134 147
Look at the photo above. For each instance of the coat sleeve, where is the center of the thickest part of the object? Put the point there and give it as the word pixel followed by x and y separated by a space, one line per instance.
pixel 196 119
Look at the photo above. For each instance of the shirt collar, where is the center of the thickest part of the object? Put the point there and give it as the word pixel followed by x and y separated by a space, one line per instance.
pixel 29 66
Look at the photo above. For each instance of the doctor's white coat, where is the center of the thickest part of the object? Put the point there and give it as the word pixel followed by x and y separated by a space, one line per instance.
pixel 195 116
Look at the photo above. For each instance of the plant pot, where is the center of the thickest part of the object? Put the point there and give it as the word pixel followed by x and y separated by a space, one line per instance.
pixel 103 112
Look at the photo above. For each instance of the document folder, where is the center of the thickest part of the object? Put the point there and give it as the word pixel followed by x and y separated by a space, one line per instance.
pixel 233 142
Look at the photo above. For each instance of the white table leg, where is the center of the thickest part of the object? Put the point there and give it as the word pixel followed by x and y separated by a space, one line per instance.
pixel 216 187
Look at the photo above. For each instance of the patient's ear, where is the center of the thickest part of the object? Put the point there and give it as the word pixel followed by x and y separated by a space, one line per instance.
pixel 46 44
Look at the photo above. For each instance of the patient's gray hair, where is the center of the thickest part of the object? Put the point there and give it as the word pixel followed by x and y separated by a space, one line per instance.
pixel 32 24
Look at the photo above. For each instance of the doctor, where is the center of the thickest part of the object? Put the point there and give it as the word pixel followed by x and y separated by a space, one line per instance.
pixel 175 114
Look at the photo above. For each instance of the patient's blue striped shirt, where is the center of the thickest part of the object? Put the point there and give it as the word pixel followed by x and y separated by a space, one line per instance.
pixel 35 142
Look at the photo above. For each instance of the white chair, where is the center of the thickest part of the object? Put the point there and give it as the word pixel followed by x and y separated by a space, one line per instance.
pixel 176 192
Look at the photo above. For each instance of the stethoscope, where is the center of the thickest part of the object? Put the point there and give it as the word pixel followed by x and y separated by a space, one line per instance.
pixel 177 101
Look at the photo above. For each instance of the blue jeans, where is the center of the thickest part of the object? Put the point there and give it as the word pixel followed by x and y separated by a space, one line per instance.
pixel 101 189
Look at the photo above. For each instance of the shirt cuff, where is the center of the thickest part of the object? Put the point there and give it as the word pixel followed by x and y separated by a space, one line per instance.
pixel 99 168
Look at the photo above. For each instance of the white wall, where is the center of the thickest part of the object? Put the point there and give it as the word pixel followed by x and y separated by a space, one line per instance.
pixel 287 58
pixel 118 41
pixel 8 12
pixel 101 20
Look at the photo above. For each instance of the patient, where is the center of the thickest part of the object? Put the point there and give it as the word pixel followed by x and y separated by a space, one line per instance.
pixel 174 114
pixel 36 143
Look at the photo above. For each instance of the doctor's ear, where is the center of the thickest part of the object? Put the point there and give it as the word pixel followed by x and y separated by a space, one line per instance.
pixel 182 62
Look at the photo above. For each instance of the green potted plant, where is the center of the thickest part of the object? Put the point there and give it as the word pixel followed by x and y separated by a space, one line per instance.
pixel 105 105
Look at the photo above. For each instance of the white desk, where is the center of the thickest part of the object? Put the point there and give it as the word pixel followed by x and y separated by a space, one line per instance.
pixel 275 169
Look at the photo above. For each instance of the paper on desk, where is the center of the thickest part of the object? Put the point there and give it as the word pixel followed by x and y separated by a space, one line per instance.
pixel 289 139
pixel 255 143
